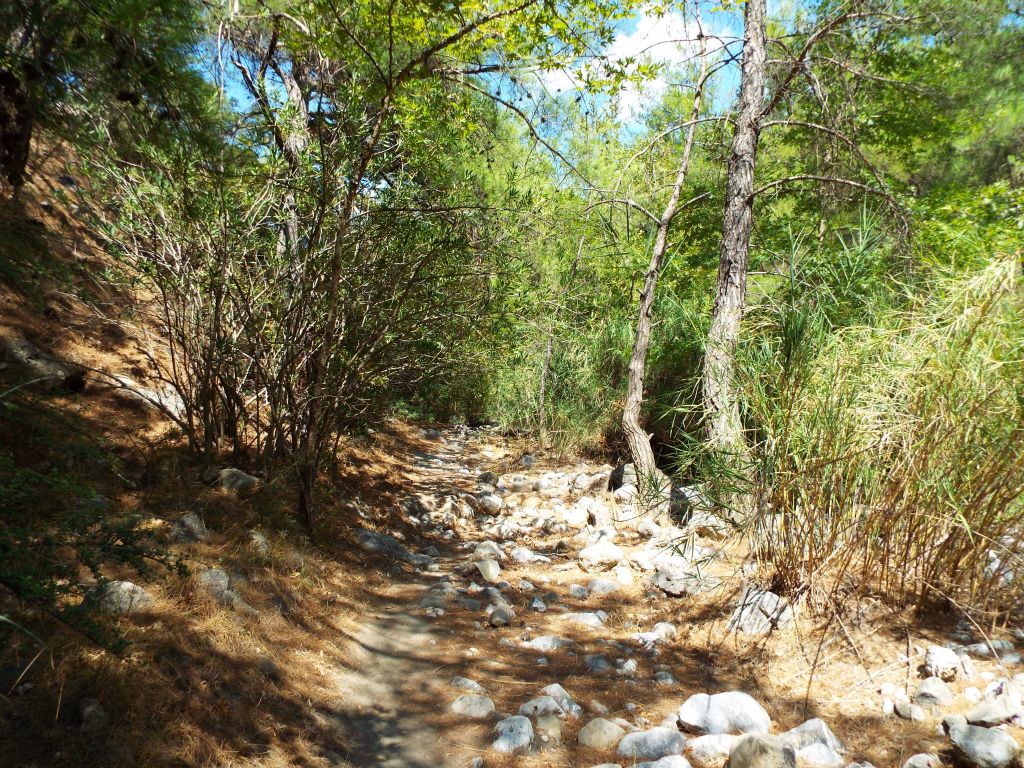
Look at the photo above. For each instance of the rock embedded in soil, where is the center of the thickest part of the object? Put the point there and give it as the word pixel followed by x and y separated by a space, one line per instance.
pixel 232 479
pixel 710 751
pixel 548 643
pixel 933 693
pixel 489 503
pixel 728 712
pixel 473 706
pixel 189 528
pixel 603 554
pixel 93 716
pixel 759 612
pixel 383 544
pixel 652 744
pixel 525 555
pixel 542 705
pixel 565 701
pixel 592 619
pixel 489 569
pixel 904 708
pixel 121 598
pixel 1000 708
pixel 762 751
pixel 600 733
pixel 814 731
pixel 981 747
pixel 465 684
pixel 943 663
pixel 515 735
pixel 548 731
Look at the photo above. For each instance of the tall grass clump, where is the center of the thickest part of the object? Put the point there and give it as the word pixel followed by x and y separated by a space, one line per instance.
pixel 887 440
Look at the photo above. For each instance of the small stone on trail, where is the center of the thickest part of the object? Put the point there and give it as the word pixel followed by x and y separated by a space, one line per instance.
pixel 236 480
pixel 93 716
pixel 600 555
pixel 121 598
pixel 189 527
pixel 473 706
pixel 654 743
pixel 465 684
pixel 542 705
pixel 600 734
pixel 943 663
pixel 908 711
pixel 761 751
pixel 515 734
pixel 593 619
pixel 933 693
pixel 490 503
pixel 728 712
pixel 759 612
pixel 711 751
pixel 814 731
pixel 600 587
pixel 488 568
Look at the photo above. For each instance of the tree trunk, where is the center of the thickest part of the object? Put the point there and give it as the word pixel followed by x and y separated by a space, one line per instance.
pixel 720 405
pixel 652 490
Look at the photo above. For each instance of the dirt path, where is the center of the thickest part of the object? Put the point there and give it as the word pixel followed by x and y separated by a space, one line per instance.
pixel 396 683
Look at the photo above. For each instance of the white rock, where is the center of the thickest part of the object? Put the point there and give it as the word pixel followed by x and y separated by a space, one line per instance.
pixel 465 684
pixel 942 663
pixel 565 701
pixel 488 568
pixel 490 503
pixel 601 555
pixel 473 706
pixel 729 712
pixel 759 612
pixel 711 751
pixel 593 619
pixel 653 744
pixel 547 643
pixel 542 705
pixel 600 734
pixel 515 734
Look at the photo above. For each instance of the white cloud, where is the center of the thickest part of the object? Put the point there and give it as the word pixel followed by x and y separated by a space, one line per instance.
pixel 668 39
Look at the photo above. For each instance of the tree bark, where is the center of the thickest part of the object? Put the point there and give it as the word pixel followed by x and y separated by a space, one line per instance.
pixel 652 490
pixel 721 408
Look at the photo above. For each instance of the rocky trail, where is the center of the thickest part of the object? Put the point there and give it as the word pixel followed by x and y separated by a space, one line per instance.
pixel 497 609
pixel 548 626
